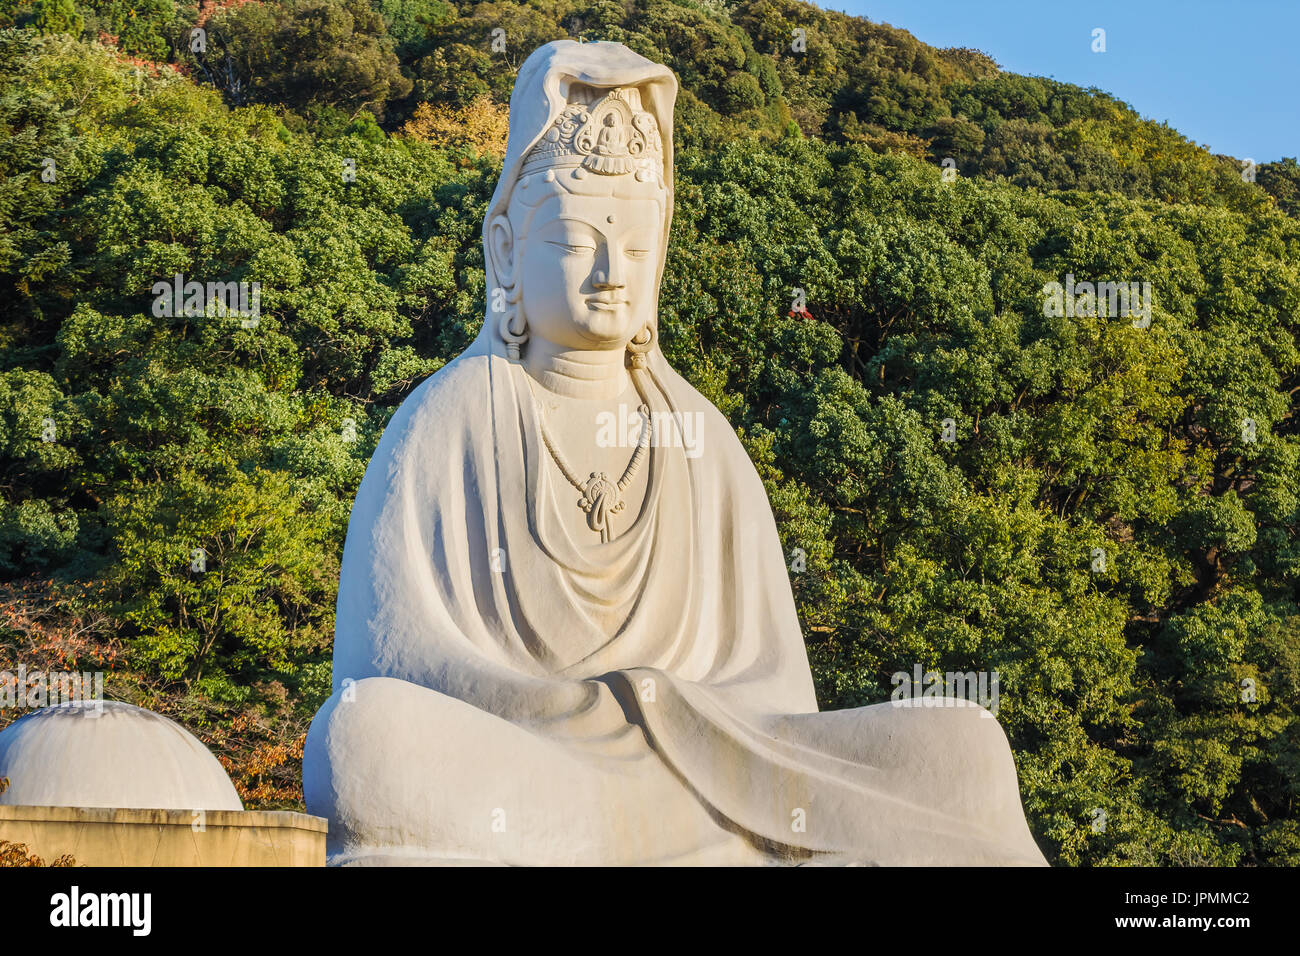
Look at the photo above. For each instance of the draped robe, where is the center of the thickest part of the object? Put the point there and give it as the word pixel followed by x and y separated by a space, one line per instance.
pixel 508 689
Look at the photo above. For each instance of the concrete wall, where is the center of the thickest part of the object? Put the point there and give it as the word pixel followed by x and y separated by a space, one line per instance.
pixel 100 836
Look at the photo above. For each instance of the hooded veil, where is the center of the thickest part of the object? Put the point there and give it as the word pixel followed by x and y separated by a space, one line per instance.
pixel 462 574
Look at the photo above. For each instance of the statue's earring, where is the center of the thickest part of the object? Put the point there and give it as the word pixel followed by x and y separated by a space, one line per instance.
pixel 506 327
pixel 642 343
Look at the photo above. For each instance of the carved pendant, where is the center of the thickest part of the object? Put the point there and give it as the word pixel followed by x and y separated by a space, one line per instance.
pixel 601 501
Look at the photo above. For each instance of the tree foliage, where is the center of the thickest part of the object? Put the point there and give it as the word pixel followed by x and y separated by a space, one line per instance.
pixel 1154 690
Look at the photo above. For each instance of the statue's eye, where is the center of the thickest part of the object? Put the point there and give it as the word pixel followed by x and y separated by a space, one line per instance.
pixel 638 253
pixel 574 249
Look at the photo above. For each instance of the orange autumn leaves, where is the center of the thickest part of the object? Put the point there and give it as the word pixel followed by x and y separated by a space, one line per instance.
pixel 480 127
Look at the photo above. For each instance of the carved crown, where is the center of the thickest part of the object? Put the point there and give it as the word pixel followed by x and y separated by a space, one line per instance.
pixel 607 133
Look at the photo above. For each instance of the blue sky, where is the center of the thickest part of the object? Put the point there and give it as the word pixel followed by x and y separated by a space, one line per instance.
pixel 1224 74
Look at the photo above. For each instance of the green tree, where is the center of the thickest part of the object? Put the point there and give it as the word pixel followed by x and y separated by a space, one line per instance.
pixel 57 16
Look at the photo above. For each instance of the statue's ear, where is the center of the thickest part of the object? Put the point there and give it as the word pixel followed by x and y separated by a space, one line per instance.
pixel 501 246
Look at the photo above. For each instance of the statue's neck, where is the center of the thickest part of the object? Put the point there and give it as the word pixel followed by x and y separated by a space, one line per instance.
pixel 584 374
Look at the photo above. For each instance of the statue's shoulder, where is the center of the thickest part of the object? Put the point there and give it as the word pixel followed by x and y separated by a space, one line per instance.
pixel 460 386
pixel 703 429
pixel 689 398
pixel 439 416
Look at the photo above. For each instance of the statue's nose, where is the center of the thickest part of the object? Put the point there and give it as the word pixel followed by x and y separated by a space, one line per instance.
pixel 602 279
pixel 609 275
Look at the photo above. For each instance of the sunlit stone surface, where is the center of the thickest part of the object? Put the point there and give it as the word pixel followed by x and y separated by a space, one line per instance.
pixel 565 627
pixel 124 757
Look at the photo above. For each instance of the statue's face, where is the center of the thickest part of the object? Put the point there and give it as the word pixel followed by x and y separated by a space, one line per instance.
pixel 588 259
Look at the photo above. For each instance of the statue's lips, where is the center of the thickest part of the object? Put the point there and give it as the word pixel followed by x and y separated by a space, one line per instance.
pixel 600 305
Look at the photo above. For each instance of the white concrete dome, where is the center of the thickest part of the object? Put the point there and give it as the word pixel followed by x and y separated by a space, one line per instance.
pixel 125 757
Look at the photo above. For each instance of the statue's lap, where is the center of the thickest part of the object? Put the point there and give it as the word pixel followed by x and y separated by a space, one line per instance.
pixel 472 786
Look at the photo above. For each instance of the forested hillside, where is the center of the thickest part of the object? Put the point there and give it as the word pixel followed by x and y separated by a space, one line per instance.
pixel 1103 510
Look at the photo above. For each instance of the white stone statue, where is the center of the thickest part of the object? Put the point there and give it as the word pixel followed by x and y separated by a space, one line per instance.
pixel 565 628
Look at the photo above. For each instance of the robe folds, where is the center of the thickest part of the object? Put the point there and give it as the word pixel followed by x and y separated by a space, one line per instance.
pixel 658 681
